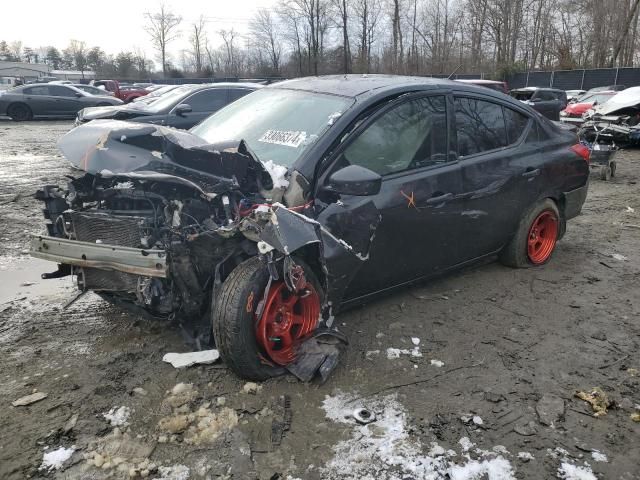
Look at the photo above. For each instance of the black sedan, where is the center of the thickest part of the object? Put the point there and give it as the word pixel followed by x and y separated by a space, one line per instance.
pixel 304 198
pixel 181 107
pixel 49 100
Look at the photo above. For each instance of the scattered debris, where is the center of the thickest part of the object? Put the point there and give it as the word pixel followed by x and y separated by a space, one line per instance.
pixel 364 416
pixel 415 341
pixel 568 471
pixel 477 420
pixel 526 429
pixel 29 399
pixel 55 459
pixel 437 363
pixel 181 360
pixel 140 391
pixel 598 456
pixel 597 399
pixel 635 417
pixel 619 257
pixel 120 452
pixel 252 388
pixel 71 423
pixel 281 421
pixel 118 417
pixel 630 209
pixel 550 409
pixel 197 426
pixel 393 353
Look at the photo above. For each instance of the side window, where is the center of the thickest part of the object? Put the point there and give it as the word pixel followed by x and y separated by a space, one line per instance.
pixel 58 91
pixel 207 100
pixel 480 126
pixel 546 96
pixel 516 124
pixel 41 90
pixel 411 135
pixel 236 93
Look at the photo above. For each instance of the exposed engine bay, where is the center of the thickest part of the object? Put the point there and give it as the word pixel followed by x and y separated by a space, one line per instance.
pixel 159 221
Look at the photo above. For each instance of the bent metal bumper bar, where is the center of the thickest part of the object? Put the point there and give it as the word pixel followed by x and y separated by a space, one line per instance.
pixel 137 261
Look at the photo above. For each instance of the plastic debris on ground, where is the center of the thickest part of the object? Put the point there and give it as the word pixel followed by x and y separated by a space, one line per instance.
pixel 181 360
pixel 29 399
pixel 393 353
pixel 598 456
pixel 598 400
pixel 55 459
pixel 437 363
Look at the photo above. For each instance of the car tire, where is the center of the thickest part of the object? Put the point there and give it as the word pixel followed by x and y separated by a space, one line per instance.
pixel 20 112
pixel 236 329
pixel 605 173
pixel 536 238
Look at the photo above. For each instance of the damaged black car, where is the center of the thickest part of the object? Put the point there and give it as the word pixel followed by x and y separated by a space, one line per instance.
pixel 304 198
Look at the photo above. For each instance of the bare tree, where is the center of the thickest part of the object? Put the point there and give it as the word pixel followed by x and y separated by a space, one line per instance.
pixel 198 39
pixel 342 11
pixel 230 62
pixel 162 27
pixel 265 37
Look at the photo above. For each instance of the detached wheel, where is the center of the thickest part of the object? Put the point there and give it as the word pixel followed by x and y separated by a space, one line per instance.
pixel 20 112
pixel 257 348
pixel 536 238
pixel 605 173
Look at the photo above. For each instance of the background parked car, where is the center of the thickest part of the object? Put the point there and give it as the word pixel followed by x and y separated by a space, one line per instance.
pixel 573 112
pixel 49 100
pixel 91 90
pixel 547 101
pixel 182 107
pixel 154 94
pixel 125 94
pixel 574 94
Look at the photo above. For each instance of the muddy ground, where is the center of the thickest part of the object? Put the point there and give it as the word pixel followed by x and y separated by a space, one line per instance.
pixel 488 392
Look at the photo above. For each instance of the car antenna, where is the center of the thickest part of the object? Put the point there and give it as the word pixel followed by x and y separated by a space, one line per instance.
pixel 454 72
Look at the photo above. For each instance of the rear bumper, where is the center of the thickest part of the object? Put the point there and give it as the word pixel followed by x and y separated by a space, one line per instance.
pixel 136 261
pixel 573 201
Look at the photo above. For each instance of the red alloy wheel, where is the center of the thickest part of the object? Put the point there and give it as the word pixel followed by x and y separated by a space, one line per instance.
pixel 542 238
pixel 287 318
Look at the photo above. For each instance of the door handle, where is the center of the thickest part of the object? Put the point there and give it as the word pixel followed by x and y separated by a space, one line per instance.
pixel 529 172
pixel 439 199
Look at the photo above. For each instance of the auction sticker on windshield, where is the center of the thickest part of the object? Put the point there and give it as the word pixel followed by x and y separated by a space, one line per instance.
pixel 283 137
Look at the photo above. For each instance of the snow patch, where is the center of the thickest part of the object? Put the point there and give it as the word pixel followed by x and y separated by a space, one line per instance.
pixel 598 456
pixel 55 459
pixel 567 471
pixel 384 449
pixel 118 417
pixel 526 456
pixel 278 174
pixel 174 472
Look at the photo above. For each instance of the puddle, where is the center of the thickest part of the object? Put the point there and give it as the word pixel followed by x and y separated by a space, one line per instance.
pixel 21 277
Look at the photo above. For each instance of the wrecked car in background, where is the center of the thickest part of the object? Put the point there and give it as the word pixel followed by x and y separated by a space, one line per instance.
pixel 306 197
pixel 616 122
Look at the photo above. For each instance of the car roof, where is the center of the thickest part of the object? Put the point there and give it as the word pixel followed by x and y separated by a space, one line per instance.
pixel 479 81
pixel 354 85
pixel 199 86
pixel 532 89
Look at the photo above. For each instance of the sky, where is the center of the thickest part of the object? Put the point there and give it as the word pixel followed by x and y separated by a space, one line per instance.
pixel 116 25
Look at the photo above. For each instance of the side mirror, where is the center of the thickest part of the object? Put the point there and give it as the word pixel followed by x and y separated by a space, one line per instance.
pixel 354 180
pixel 183 108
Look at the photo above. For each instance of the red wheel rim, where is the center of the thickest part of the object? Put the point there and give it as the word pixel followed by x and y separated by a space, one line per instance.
pixel 287 318
pixel 542 237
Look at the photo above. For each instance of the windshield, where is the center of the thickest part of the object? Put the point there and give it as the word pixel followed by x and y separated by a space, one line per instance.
pixel 598 98
pixel 168 100
pixel 278 125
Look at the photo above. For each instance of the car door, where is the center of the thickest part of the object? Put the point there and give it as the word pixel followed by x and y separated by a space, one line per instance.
pixel 203 103
pixel 546 103
pixel 500 171
pixel 407 143
pixel 39 100
pixel 65 100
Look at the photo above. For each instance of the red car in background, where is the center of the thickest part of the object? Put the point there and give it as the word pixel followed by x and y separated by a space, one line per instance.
pixel 574 111
pixel 125 93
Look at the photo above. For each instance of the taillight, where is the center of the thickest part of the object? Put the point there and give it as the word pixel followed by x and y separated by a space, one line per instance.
pixel 582 150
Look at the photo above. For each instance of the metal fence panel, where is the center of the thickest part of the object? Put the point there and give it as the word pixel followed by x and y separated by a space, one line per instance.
pixel 599 77
pixel 539 79
pixel 629 77
pixel 568 79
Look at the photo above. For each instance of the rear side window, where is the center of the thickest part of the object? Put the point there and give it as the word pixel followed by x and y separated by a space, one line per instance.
pixel 58 91
pixel 41 90
pixel 480 126
pixel 410 135
pixel 516 124
pixel 546 96
pixel 208 100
